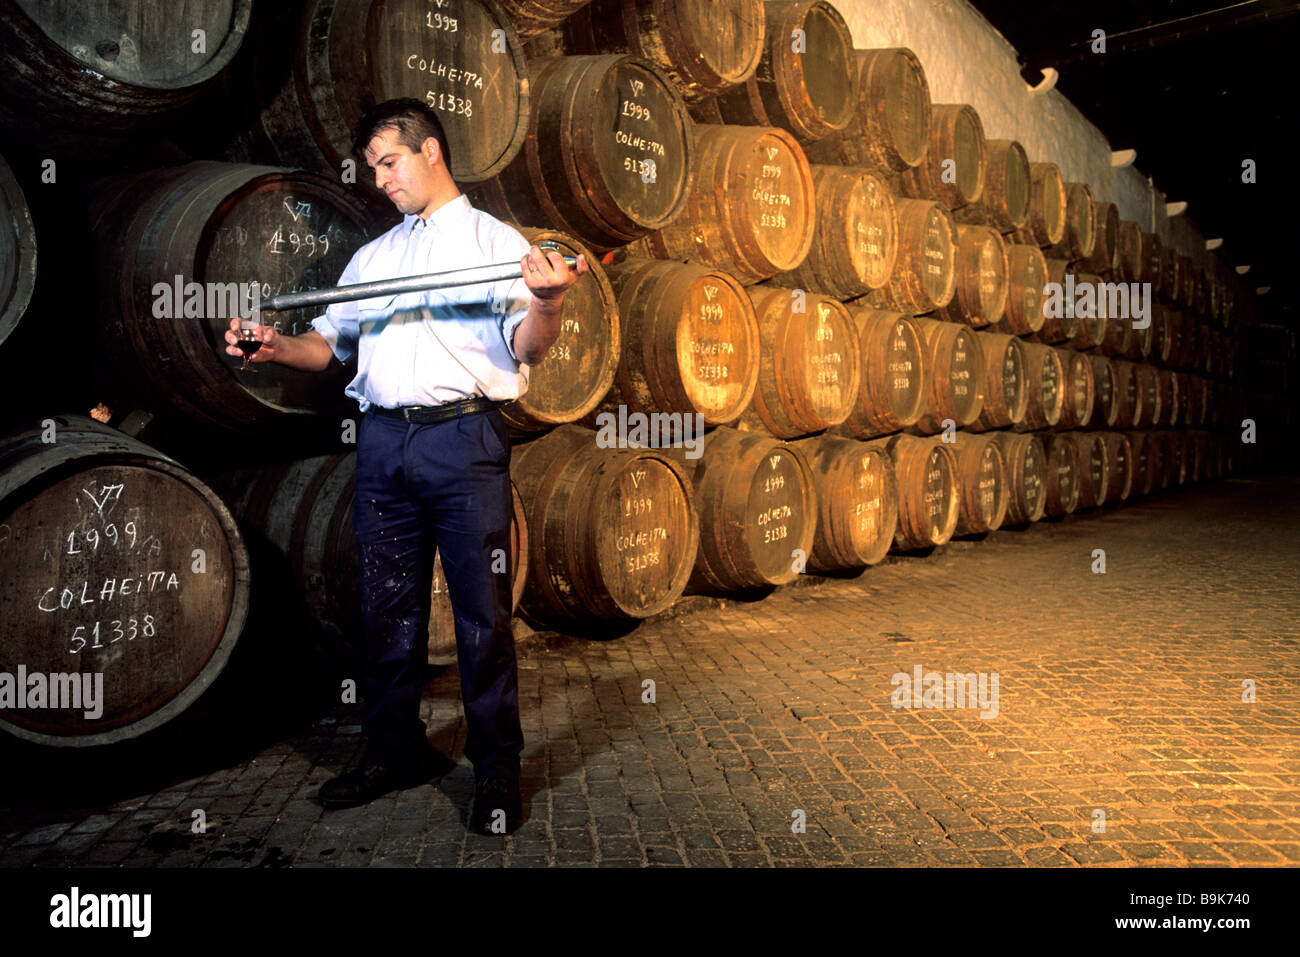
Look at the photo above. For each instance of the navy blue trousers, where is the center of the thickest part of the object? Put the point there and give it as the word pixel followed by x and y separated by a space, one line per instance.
pixel 419 488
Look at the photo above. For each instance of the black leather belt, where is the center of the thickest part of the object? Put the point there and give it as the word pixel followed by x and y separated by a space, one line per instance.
pixel 428 414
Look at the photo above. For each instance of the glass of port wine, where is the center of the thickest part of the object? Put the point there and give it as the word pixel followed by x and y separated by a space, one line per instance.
pixel 248 342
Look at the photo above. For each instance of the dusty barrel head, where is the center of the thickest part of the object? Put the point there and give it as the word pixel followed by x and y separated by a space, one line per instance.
pixel 811 363
pixel 980 294
pixel 982 482
pixel 1045 379
pixel 703 46
pixel 894 374
pixel 177 253
pixel 891 123
pixel 610 153
pixel 1026 476
pixel 690 343
pixel 1062 495
pixel 579 366
pixel 857 496
pixel 757 501
pixel 928 504
pixel 952 170
pixel 17 252
pixel 612 531
pixel 1094 469
pixel 1045 224
pixel 924 277
pixel 1006 393
pixel 805 82
pixel 125 584
pixel 957 383
pixel 1026 277
pixel 113 67
pixel 855 243
pixel 751 209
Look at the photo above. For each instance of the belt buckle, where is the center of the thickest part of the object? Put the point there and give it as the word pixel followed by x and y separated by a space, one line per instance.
pixel 407 411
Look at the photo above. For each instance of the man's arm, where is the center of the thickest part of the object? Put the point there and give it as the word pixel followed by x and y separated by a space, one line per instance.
pixel 547 277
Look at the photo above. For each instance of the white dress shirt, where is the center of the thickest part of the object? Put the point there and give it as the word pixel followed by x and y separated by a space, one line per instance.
pixel 441 345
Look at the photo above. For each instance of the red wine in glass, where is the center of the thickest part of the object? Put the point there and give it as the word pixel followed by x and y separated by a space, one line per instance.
pixel 247 344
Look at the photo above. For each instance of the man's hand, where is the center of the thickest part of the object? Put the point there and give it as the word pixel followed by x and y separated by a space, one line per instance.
pixel 270 340
pixel 547 275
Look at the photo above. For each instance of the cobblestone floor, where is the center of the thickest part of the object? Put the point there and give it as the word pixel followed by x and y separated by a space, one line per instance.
pixel 1120 704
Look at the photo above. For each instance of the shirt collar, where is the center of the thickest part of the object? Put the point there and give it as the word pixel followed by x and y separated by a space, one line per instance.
pixel 440 218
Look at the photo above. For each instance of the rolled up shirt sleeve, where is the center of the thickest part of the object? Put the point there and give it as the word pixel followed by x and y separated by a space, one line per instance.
pixel 339 326
pixel 510 298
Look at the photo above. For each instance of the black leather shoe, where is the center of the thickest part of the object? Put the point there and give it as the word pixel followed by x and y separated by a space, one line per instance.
pixel 363 784
pixel 498 808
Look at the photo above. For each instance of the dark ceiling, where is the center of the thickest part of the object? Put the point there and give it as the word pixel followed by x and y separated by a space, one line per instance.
pixel 1195 88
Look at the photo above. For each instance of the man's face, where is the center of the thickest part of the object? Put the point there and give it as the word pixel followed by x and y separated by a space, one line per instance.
pixel 406 177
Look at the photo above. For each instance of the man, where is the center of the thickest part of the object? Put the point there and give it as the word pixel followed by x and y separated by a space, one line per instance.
pixel 433 457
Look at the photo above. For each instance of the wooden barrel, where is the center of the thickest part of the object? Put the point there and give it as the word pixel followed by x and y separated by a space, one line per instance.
pixel 1045 224
pixel 1062 492
pixel 928 503
pixel 981 483
pixel 1148 410
pixel 952 170
pixel 1171 274
pixel 171 250
pixel 612 532
pixel 703 46
pixel 891 121
pixel 1129 252
pixel 956 385
pixel 1060 318
pixel 1093 475
pixel 891 395
pixel 1093 468
pixel 690 341
pixel 1092 321
pixel 1118 337
pixel 1127 393
pixel 531 17
pixel 1150 271
pixel 1080 234
pixel 1119 466
pixel 1026 476
pixel 751 209
pixel 924 275
pixel 1174 385
pixel 462 57
pixel 1146 459
pixel 1044 379
pixel 1105 249
pixel 609 154
pixel 1105 405
pixel 1168 405
pixel 980 292
pixel 111 66
pixel 1026 277
pixel 579 366
pixel 1078 390
pixel 757 502
pixel 810 367
pixel 857 502
pixel 118 563
pixel 1005 391
pixel 805 82
pixel 17 252
pixel 855 241
pixel 1004 204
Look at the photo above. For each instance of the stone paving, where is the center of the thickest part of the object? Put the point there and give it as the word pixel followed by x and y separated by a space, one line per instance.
pixel 1121 735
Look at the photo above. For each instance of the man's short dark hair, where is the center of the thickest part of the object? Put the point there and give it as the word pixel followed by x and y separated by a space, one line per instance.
pixel 414 121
